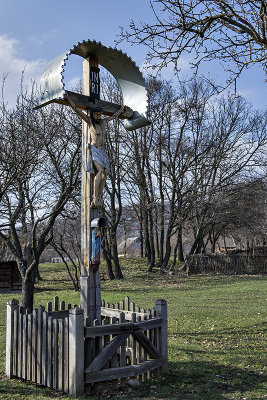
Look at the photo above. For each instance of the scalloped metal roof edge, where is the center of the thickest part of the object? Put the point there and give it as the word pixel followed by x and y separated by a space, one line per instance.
pixel 121 66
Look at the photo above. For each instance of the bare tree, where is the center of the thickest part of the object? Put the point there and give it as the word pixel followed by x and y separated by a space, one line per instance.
pixel 234 32
pixel 19 149
pixel 66 241
pixel 197 147
pixel 113 196
pixel 32 203
pixel 233 137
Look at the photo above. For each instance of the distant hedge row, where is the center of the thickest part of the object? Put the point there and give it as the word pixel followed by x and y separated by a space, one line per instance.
pixel 228 264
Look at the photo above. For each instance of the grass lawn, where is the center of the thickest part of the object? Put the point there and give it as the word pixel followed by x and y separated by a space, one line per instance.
pixel 217 333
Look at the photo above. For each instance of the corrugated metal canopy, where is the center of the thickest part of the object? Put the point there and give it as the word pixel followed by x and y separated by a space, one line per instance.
pixel 121 66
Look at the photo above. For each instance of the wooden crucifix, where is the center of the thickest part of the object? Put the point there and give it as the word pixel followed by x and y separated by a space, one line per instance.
pixel 95 165
pixel 95 168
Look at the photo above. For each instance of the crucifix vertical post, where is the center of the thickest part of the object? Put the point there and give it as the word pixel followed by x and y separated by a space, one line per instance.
pixel 90 280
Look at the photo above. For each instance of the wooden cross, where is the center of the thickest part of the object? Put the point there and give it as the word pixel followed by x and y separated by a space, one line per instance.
pixel 90 279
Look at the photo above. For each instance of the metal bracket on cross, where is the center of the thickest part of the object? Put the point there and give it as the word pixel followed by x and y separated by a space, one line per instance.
pixel 124 70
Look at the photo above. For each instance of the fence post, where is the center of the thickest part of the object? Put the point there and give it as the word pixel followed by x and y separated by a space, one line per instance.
pixel 76 352
pixel 11 307
pixel 161 311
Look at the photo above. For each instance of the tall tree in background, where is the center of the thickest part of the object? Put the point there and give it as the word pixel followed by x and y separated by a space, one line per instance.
pixel 234 32
pixel 233 137
pixel 113 196
pixel 49 143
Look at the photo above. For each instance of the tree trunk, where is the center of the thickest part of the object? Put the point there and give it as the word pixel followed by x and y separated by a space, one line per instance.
pixel 180 244
pixel 28 292
pixel 115 257
pixel 146 237
pixel 151 263
pixel 141 241
pixel 109 265
pixel 107 256
pixel 167 253
pixel 174 256
pixel 38 276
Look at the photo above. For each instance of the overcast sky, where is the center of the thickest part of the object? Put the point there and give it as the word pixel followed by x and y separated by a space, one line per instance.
pixel 33 32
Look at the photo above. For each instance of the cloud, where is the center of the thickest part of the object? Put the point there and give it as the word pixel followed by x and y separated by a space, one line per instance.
pixel 168 72
pixel 12 66
pixel 41 38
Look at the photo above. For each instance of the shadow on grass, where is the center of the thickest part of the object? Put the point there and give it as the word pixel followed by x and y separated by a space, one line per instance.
pixel 18 389
pixel 207 380
pixel 192 380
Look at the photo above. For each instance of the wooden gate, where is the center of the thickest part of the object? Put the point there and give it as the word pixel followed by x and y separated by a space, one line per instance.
pixel 126 343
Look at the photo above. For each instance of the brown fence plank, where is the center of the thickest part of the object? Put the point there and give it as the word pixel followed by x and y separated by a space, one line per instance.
pixel 60 355
pixel 56 303
pixel 107 353
pixel 15 344
pixel 161 308
pixel 29 348
pixel 123 348
pixel 34 345
pixel 133 343
pixel 114 358
pixel 109 374
pixel 24 346
pixel 147 366
pixel 106 338
pixel 20 330
pixel 66 355
pixel 122 328
pixel 49 351
pixel 44 348
pixel 55 354
pixel 39 345
pixel 109 312
pixel 127 303
pixel 147 344
pixel 108 329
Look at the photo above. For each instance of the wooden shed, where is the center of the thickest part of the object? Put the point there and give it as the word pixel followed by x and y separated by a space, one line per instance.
pixel 9 275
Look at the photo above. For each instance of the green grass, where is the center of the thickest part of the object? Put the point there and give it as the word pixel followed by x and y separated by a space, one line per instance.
pixel 217 333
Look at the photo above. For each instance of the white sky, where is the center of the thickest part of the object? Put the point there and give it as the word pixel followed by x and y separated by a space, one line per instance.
pixel 33 32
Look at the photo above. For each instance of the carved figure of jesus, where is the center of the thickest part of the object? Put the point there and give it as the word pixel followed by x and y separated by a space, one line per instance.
pixel 98 163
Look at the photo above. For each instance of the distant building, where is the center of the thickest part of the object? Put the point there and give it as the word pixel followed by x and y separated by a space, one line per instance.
pixel 131 246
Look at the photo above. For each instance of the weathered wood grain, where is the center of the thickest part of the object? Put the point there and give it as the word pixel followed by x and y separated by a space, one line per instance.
pixel 107 353
pixel 49 379
pixel 66 355
pixel 24 345
pixel 55 354
pixel 29 348
pixel 44 348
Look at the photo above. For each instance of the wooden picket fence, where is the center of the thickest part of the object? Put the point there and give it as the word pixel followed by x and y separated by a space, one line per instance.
pixel 227 264
pixel 39 344
pixel 55 347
